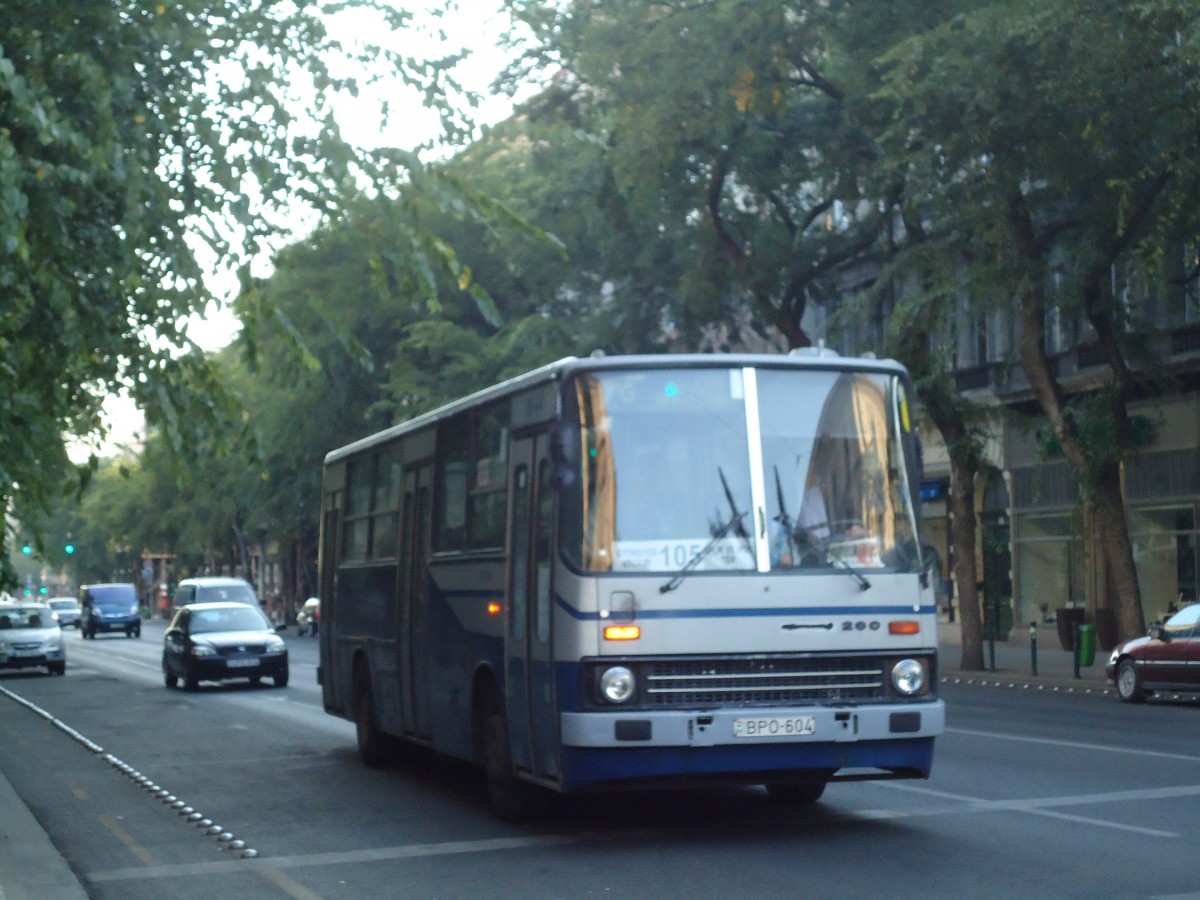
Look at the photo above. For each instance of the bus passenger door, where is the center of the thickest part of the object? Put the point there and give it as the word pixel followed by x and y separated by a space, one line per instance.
pixel 331 697
pixel 529 681
pixel 413 605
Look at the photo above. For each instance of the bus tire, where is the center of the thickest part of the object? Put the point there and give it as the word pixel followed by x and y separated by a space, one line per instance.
pixel 797 791
pixel 372 743
pixel 511 799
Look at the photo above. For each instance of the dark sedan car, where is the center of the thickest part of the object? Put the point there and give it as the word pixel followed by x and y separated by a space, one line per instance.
pixel 220 642
pixel 1167 659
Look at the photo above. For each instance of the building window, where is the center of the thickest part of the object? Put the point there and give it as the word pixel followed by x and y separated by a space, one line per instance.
pixel 1164 548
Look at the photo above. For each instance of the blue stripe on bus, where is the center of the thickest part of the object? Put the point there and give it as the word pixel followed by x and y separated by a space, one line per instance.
pixel 900 609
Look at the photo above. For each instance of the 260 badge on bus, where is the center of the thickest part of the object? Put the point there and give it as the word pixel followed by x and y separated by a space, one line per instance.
pixel 775 726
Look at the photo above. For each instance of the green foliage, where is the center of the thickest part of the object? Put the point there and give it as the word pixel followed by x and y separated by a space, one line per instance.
pixel 139 143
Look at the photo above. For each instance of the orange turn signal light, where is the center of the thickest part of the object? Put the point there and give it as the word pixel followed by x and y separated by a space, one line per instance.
pixel 622 633
pixel 905 626
pixel 494 608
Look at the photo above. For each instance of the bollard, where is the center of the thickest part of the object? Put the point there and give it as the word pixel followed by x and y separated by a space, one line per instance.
pixel 1033 647
pixel 1075 653
pixel 991 641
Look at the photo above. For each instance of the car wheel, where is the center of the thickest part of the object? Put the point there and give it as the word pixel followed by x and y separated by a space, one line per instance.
pixel 281 679
pixel 58 668
pixel 1129 682
pixel 190 679
pixel 511 799
pixel 372 743
pixel 797 791
pixel 137 632
pixel 169 680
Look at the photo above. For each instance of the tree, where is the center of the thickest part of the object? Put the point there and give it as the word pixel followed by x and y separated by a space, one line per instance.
pixel 140 143
pixel 1051 148
pixel 760 175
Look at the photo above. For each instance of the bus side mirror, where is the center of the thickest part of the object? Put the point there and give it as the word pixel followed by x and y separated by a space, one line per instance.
pixel 562 477
pixel 931 561
pixel 564 444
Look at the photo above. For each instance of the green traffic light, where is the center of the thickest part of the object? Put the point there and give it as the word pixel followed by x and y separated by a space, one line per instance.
pixel 43 591
pixel 26 549
pixel 70 548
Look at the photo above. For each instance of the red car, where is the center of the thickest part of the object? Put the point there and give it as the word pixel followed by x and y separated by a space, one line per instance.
pixel 1167 659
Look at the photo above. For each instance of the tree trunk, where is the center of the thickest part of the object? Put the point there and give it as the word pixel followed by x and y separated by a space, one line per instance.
pixel 1113 533
pixel 966 573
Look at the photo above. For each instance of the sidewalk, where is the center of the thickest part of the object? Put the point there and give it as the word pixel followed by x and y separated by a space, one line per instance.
pixel 31 868
pixel 1014 662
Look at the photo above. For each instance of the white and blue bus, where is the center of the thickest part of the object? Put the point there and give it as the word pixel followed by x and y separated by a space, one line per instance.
pixel 633 571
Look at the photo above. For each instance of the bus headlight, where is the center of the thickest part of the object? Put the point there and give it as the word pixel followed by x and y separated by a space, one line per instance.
pixel 617 684
pixel 908 677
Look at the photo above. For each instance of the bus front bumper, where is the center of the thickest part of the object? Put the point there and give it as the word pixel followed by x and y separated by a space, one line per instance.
pixel 661 748
pixel 753 726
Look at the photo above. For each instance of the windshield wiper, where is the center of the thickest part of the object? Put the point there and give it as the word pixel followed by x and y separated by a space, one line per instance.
pixel 784 519
pixel 677 578
pixel 734 521
pixel 863 584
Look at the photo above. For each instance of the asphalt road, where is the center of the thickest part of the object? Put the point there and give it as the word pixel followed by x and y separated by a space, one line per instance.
pixel 1034 794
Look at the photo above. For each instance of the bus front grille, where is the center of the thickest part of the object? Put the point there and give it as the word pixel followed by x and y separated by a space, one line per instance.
pixel 763 681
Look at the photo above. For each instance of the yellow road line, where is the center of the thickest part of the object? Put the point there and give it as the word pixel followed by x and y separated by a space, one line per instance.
pixel 128 840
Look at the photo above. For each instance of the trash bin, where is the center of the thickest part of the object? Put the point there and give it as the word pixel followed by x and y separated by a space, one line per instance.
pixel 1087 645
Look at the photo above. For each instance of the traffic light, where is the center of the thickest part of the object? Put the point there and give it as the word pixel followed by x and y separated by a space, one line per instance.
pixel 70 548
pixel 26 549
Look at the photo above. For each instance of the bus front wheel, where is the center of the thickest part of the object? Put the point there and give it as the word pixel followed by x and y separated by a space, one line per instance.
pixel 512 799
pixel 797 791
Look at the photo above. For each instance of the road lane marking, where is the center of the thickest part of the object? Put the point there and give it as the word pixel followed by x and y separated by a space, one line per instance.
pixel 80 793
pixel 1076 745
pixel 1046 806
pixel 128 840
pixel 287 885
pixel 349 857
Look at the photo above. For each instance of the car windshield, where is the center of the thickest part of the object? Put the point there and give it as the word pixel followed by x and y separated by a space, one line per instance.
pixel 225 593
pixel 25 617
pixel 116 595
pixel 63 604
pixel 1183 623
pixel 241 618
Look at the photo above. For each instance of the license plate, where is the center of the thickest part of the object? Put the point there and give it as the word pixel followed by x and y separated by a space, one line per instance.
pixel 241 663
pixel 775 726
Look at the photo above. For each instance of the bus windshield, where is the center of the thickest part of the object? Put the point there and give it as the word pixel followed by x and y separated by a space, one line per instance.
pixel 672 459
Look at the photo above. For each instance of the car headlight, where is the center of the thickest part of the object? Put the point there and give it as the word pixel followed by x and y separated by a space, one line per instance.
pixel 275 646
pixel 133 609
pixel 908 676
pixel 203 650
pixel 617 684
pixel 54 643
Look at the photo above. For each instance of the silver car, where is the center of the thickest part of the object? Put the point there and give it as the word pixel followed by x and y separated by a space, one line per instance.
pixel 66 611
pixel 30 638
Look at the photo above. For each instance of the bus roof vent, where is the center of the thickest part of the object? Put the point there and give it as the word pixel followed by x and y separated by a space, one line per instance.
pixel 818 350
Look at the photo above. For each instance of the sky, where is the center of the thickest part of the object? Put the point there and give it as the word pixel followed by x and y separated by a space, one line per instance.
pixel 477 27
